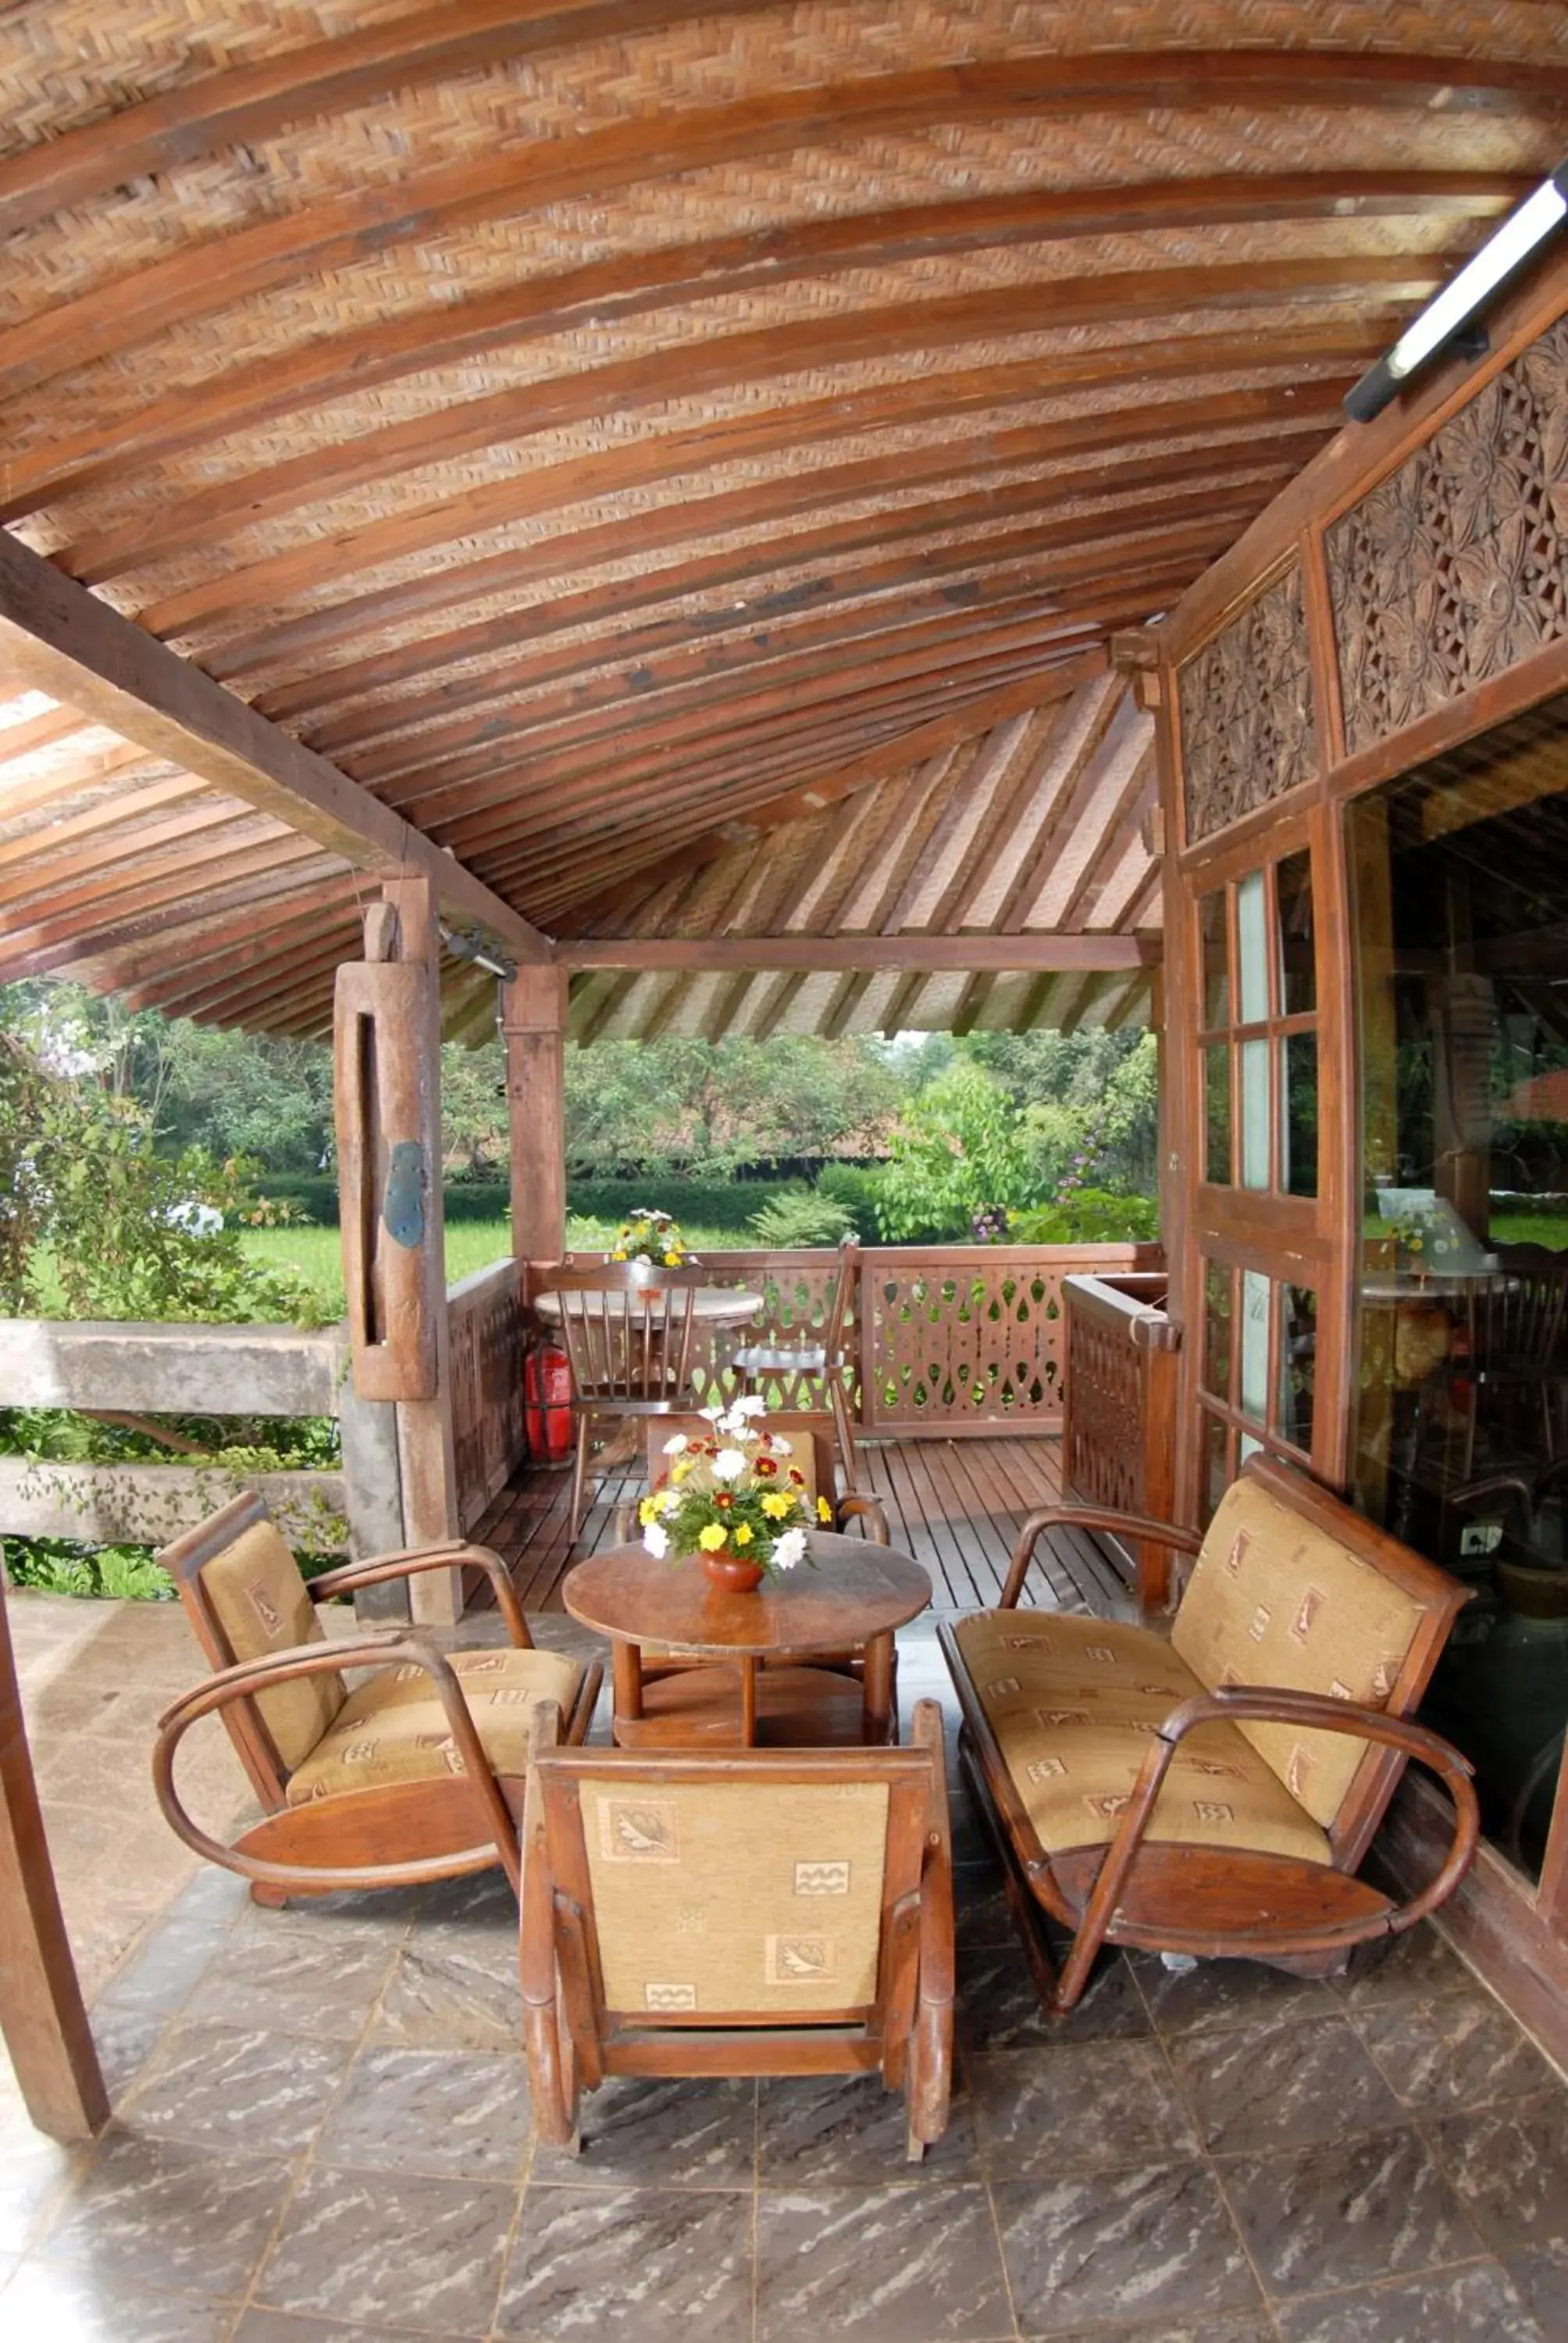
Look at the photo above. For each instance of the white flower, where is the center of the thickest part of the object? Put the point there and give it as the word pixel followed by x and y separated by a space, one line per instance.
pixel 729 1465
pixel 790 1550
pixel 735 1426
pixel 642 1260
pixel 781 1447
pixel 753 1404
pixel 673 1447
pixel 712 1415
pixel 656 1540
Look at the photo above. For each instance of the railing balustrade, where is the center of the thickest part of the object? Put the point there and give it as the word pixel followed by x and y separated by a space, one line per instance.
pixel 487 1342
pixel 1118 1445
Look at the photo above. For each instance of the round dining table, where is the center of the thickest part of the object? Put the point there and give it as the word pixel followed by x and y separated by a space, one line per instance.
pixel 751 1682
pixel 711 1305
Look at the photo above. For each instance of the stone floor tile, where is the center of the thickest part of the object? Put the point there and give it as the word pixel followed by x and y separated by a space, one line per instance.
pixel 663 2132
pixel 34 2175
pixel 125 2040
pixel 1510 2166
pixel 983 1916
pixel 159 2213
pixel 450 1989
pixel 1541 2282
pixel 630 2266
pixel 1224 1992
pixel 1147 2243
pixel 282 2326
pixel 391 2247
pixel 1282 2083
pixel 1391 1967
pixel 295 1975
pixel 830 2129
pixel 431 2111
pixel 998 2008
pixel 1473 2305
pixel 227 2085
pixel 1077 2108
pixel 1347 2213
pixel 1455 2049
pixel 50 2302
pixel 886 2265
pixel 1258 2329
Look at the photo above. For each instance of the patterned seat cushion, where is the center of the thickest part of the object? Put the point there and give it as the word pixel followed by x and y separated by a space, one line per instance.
pixel 1275 1600
pixel 263 1605
pixel 1072 1703
pixel 394 1728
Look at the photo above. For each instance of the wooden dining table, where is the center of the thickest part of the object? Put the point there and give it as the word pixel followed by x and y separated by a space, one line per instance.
pixel 711 1305
pixel 751 1682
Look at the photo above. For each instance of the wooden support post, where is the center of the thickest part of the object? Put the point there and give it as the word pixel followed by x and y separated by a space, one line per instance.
pixel 42 2013
pixel 427 1462
pixel 534 1030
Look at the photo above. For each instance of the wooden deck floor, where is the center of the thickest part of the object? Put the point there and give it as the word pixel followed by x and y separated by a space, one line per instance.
pixel 954 1504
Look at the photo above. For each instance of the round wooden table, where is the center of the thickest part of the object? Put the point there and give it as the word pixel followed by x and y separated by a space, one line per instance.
pixel 854 1594
pixel 711 1305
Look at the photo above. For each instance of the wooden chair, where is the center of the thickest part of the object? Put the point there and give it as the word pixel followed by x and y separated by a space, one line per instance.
pixel 628 1332
pixel 1213 1794
pixel 779 1912
pixel 418 1773
pixel 760 1363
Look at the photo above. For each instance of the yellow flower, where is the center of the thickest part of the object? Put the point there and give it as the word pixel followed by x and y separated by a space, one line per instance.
pixel 672 1261
pixel 711 1538
pixel 620 1255
pixel 824 1510
pixel 776 1505
pixel 647 1510
pixel 681 1470
pixel 742 1533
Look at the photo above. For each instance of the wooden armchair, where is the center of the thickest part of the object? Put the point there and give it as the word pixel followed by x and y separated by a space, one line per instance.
pixel 418 1773
pixel 761 1363
pixel 628 1332
pixel 1213 1794
pixel 772 1913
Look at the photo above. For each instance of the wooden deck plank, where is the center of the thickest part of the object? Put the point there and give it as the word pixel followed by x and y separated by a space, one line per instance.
pixel 956 1506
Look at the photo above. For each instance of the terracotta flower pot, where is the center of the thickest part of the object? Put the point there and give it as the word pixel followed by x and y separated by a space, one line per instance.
pixel 731 1574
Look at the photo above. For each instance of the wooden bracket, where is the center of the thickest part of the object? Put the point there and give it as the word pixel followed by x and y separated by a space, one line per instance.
pixel 380 1016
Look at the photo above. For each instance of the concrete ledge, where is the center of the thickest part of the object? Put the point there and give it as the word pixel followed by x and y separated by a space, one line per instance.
pixel 147 1504
pixel 171 1369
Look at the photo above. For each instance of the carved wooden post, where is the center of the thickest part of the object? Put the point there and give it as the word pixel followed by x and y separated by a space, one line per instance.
pixel 534 1030
pixel 42 2016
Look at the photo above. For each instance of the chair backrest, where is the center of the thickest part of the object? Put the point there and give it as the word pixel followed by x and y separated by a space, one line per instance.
pixel 843 1287
pixel 1291 1589
pixel 628 1331
pixel 245 1597
pixel 731 1889
pixel 809 1431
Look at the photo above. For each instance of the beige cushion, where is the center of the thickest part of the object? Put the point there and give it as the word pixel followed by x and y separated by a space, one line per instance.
pixel 1274 1600
pixel 734 1896
pixel 394 1728
pixel 1072 1703
pixel 262 1604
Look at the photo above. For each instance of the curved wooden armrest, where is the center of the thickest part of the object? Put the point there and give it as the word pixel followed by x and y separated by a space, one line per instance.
pixel 537 1944
pixel 870 1510
pixel 1279 1704
pixel 1142 1526
pixel 248 1678
pixel 409 1561
pixel 937 1959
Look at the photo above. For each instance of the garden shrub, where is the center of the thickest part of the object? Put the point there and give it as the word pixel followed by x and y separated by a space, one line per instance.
pixel 802 1216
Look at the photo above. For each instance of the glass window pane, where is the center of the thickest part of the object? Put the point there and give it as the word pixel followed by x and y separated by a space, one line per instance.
pixel 1217 1473
pixel 1252 951
pixel 1247 1446
pixel 1254 1394
pixel 1298 1311
pixel 1254 1070
pixel 1216 962
pixel 1298 1117
pixel 1298 965
pixel 1217 1284
pixel 1217 1114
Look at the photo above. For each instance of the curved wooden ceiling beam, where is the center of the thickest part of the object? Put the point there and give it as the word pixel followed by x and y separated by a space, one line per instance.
pixel 212 275
pixel 323 687
pixel 681 372
pixel 255 101
pixel 629 690
pixel 634 284
pixel 423 771
pixel 675 522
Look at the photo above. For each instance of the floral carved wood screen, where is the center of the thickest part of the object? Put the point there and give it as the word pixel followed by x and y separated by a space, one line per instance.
pixel 1248 732
pixel 1456 565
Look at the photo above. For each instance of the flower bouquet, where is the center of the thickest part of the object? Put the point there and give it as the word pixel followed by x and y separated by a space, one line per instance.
pixel 651 1238
pixel 734 1498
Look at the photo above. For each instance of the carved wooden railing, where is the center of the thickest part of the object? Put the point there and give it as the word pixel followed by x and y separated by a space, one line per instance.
pixel 945 1340
pixel 1118 1441
pixel 487 1334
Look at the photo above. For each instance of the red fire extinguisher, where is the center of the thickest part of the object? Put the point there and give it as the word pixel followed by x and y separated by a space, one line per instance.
pixel 548 1402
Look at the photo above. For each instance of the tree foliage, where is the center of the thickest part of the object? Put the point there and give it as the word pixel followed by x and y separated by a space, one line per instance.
pixel 957 1149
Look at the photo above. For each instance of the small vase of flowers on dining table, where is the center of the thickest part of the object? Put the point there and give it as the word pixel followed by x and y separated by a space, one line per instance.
pixel 734 1497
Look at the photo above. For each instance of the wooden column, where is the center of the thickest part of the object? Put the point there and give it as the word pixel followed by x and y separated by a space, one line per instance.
pixel 426 1459
pixel 42 2013
pixel 534 1030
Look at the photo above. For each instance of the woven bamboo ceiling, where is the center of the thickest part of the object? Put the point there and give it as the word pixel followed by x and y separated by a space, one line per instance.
pixel 690 464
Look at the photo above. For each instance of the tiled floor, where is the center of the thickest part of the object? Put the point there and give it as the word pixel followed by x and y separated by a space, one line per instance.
pixel 322 2136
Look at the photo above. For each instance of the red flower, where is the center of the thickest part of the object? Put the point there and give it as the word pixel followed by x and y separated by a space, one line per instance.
pixel 765 1467
pixel 797 1476
pixel 722 1497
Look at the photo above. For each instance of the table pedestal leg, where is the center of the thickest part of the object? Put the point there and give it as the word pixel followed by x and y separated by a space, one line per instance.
pixel 748 1703
pixel 879 1689
pixel 626 1664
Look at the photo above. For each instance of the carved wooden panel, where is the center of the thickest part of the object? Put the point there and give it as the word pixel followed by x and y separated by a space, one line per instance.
pixel 1248 732
pixel 1456 566
pixel 971 1343
pixel 1105 1447
pixel 486 1353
